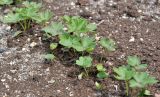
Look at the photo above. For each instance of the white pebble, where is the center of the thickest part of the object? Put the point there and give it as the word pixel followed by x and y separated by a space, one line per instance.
pixel 72 3
pixel 33 44
pixel 3 80
pixel 132 39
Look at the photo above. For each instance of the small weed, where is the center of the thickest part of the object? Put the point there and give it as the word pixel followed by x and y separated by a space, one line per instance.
pixel 85 62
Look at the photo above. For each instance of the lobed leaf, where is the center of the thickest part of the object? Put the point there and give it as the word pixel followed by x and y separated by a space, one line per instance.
pixel 84 62
pixel 107 43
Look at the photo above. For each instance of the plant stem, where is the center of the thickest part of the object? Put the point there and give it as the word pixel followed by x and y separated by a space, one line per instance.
pixel 127 88
pixel 29 21
pixel 22 26
pixel 25 25
pixel 86 71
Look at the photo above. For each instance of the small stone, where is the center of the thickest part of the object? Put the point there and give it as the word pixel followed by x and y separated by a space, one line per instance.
pixel 58 91
pixel 8 28
pixel 3 80
pixel 28 39
pixel 13 71
pixel 51 81
pixel 33 44
pixel 141 39
pixel 70 93
pixel 23 49
pixel 72 3
pixel 132 39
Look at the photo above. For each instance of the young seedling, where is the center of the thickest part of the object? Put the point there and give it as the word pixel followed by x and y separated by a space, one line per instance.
pixel 85 62
pixel 101 71
pixel 50 57
pixel 142 80
pixel 98 86
pixel 53 46
pixel 27 14
pixel 6 2
pixel 125 74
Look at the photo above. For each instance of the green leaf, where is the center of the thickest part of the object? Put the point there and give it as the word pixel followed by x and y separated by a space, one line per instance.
pixel 123 73
pixel 98 86
pixel 78 25
pixel 43 17
pixel 107 43
pixel 11 18
pixel 53 46
pixel 49 56
pixel 32 5
pixel 102 75
pixel 85 43
pixel 7 2
pixel 133 60
pixel 141 66
pixel 91 27
pixel 54 29
pixel 17 33
pixel 147 92
pixel 142 80
pixel 100 67
pixel 66 40
pixel 84 62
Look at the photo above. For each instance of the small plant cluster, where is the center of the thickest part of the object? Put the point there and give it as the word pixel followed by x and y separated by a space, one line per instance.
pixel 134 77
pixel 79 36
pixel 27 14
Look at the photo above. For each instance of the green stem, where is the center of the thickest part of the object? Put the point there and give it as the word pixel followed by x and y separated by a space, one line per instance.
pixel 127 88
pixel 29 22
pixel 25 25
pixel 86 71
pixel 22 26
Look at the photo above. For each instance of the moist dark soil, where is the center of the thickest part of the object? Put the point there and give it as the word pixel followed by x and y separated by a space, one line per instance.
pixel 133 24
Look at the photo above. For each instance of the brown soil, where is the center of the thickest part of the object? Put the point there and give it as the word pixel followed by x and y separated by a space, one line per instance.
pixel 134 25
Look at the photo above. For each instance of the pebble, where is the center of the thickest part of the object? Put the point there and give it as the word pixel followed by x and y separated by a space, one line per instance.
pixel 70 93
pixel 58 91
pixel 72 3
pixel 51 81
pixel 33 44
pixel 13 71
pixel 3 80
pixel 132 39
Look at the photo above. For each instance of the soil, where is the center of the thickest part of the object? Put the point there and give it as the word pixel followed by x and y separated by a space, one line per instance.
pixel 133 24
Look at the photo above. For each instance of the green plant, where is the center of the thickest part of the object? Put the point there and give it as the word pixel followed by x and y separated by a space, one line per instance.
pixel 28 13
pixel 101 71
pixel 142 80
pixel 6 2
pixel 133 77
pixel 98 86
pixel 124 73
pixel 53 46
pixel 84 62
